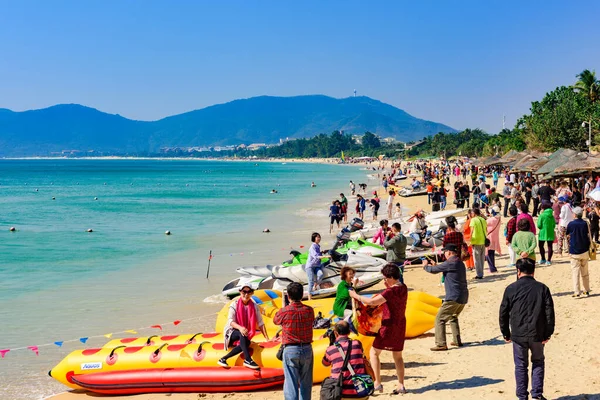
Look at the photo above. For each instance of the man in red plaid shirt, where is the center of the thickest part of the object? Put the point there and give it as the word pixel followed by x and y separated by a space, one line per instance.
pixel 296 321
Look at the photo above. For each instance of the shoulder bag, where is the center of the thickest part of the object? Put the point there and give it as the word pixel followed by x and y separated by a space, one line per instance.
pixel 592 249
pixel 363 383
pixel 331 389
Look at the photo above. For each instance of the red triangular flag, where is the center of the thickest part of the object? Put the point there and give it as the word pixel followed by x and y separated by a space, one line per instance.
pixel 176 322
pixel 3 352
pixel 157 327
pixel 34 349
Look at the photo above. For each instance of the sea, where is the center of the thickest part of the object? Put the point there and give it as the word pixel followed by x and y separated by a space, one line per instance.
pixel 63 288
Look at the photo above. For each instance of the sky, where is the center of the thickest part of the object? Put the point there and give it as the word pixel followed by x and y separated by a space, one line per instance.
pixel 461 63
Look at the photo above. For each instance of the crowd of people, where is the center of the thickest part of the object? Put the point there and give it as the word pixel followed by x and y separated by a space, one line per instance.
pixel 526 315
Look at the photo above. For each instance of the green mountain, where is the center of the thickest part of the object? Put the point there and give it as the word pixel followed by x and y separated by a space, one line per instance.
pixel 263 119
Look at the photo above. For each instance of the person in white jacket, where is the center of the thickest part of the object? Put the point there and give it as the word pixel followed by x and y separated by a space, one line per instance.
pixel 566 216
pixel 418 230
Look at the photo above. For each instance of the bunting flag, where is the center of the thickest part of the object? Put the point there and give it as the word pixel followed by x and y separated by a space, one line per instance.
pixel 210 257
pixel 59 343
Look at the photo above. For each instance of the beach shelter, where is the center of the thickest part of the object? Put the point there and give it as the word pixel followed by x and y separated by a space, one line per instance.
pixel 557 159
pixel 579 164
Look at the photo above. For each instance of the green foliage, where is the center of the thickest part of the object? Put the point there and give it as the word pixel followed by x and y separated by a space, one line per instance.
pixel 503 142
pixel 556 121
pixel 370 141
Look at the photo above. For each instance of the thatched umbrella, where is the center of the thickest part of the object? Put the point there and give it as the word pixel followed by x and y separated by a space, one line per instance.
pixel 579 164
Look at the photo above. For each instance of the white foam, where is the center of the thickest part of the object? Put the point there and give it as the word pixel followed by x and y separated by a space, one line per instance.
pixel 216 299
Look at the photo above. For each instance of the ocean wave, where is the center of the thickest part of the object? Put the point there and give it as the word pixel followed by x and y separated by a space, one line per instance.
pixel 216 299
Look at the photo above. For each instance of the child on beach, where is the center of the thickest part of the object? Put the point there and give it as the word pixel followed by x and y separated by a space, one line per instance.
pixel 398 211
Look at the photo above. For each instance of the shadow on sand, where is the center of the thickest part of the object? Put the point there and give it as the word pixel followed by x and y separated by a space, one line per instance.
pixel 472 382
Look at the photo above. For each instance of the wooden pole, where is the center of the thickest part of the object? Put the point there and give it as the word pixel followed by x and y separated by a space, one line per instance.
pixel 209 258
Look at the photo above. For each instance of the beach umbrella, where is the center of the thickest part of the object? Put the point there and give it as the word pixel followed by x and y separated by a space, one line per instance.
pixel 594 194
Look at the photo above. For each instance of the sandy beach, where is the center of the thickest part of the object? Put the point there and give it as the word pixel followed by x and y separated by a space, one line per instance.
pixel 483 368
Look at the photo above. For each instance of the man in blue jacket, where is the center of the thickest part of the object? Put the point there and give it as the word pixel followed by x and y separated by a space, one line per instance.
pixel 578 234
pixel 527 320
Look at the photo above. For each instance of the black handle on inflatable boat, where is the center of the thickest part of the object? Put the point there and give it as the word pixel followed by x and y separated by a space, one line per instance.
pixel 112 353
pixel 200 347
pixel 193 337
pixel 159 349
pixel 150 339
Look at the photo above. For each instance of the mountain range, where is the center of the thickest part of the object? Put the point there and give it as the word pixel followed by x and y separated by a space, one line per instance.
pixel 263 119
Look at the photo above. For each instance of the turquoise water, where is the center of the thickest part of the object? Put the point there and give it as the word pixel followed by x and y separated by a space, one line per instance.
pixel 59 282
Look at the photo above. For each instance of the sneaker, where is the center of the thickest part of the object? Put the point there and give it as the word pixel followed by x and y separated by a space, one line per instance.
pixel 251 364
pixel 510 266
pixel 459 344
pixel 542 262
pixel 586 294
pixel 478 277
pixel 575 295
pixel 223 363
pixel 548 263
pixel 540 397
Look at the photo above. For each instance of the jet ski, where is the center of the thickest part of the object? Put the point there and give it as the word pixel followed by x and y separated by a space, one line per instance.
pixel 368 272
pixel 410 191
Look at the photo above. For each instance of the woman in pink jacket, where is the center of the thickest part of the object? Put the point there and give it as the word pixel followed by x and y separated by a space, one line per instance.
pixel 381 234
pixel 493 234
pixel 524 214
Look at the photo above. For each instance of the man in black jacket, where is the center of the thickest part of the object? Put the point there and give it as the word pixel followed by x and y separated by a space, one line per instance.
pixel 527 319
pixel 457 295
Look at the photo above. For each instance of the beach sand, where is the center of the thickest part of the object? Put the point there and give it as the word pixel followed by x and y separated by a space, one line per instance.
pixel 483 368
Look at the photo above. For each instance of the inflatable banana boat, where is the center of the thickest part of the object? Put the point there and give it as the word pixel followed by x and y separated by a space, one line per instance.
pixel 187 363
pixel 178 368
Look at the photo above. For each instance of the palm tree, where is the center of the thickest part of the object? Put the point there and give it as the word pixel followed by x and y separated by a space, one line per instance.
pixel 588 85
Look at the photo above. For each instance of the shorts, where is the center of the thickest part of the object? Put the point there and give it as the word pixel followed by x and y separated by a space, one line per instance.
pixel 334 218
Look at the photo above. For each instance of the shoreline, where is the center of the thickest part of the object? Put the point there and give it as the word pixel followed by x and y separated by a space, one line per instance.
pixel 483 368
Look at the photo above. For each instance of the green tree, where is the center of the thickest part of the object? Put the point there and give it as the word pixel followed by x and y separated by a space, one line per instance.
pixel 370 141
pixel 555 121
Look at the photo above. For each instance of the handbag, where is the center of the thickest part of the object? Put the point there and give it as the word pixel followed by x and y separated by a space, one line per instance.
pixel 464 252
pixel 279 354
pixel 331 389
pixel 592 249
pixel 363 383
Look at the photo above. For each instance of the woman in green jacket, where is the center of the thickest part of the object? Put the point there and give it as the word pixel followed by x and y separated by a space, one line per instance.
pixel 342 306
pixel 523 242
pixel 546 224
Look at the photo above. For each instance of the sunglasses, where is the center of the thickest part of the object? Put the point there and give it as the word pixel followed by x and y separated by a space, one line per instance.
pixel 247 291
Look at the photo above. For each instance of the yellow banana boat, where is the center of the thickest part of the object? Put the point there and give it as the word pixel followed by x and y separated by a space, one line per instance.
pixel 176 356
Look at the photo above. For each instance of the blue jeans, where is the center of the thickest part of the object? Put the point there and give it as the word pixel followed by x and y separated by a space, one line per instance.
pixel 298 372
pixel 311 273
pixel 417 239
pixel 443 201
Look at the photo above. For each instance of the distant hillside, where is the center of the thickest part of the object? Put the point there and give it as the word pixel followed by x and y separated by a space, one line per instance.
pixel 263 119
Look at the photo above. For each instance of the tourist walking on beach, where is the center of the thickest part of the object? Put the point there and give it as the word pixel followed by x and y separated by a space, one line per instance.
pixel 242 320
pixel 360 206
pixel 546 192
pixel 390 202
pixel 524 214
pixel 546 224
pixel 314 270
pixel 565 217
pixel 296 321
pixel 396 248
pixel 578 234
pixel 334 215
pixel 478 227
pixel 536 198
pixel 453 236
pixel 392 334
pixel 506 195
pixel 457 295
pixel 593 215
pixel 344 207
pixel 493 234
pixel 527 320
pixel 352 188
pixel 333 358
pixel 523 242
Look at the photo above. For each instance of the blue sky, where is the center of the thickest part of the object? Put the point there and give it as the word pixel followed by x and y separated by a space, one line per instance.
pixel 462 63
